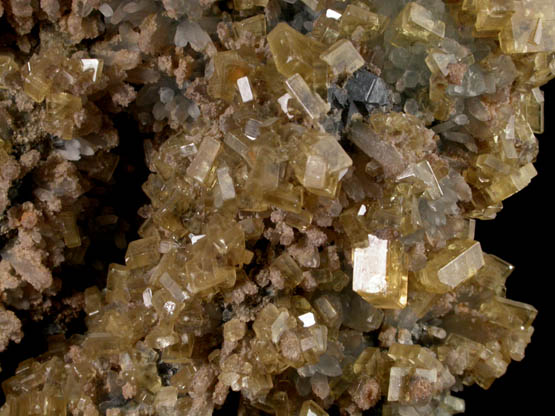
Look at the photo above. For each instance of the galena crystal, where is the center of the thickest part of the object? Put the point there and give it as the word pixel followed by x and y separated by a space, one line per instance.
pixel 317 170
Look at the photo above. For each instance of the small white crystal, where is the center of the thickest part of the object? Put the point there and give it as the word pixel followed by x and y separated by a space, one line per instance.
pixel 225 181
pixel 307 319
pixel 194 238
pixel 283 100
pixel 245 89
pixel 147 297
pixel 332 14
pixel 91 64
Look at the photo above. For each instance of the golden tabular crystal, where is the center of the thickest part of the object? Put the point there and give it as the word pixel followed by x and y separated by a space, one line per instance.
pixel 317 170
pixel 380 274
pixel 451 266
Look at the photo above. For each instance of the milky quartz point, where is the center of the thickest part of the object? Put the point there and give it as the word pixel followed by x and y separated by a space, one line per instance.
pixel 380 274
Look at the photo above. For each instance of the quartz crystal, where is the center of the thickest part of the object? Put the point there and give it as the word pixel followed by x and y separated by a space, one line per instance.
pixel 316 171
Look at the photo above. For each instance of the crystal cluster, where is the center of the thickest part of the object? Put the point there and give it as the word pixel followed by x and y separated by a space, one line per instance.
pixel 317 170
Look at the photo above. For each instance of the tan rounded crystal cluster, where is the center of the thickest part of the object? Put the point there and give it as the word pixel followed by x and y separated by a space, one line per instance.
pixel 317 170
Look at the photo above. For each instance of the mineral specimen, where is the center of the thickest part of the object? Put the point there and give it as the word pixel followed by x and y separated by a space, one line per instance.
pixel 317 170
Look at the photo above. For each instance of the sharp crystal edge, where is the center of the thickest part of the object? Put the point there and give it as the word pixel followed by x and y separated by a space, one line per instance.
pixel 317 171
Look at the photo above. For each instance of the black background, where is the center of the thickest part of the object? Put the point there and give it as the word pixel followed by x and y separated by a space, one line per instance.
pixel 522 234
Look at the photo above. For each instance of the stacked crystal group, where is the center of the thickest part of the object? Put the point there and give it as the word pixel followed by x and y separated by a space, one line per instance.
pixel 317 170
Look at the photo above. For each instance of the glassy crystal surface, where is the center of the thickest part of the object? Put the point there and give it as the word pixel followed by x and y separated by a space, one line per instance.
pixel 315 173
pixel 379 273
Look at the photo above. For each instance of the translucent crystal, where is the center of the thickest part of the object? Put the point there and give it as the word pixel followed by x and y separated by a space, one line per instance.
pixel 342 57
pixel 289 268
pixel 203 164
pixel 380 274
pixel 416 23
pixel 72 237
pixel 504 186
pixel 245 89
pixel 255 25
pixel 310 408
pixel 225 182
pixel 451 266
pixel 61 108
pixel 312 103
pixel 141 253
pixel 423 171
pixel 293 52
pixel 356 18
pixel 249 4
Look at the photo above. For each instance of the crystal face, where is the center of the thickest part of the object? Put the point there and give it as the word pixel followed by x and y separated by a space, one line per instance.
pixel 316 171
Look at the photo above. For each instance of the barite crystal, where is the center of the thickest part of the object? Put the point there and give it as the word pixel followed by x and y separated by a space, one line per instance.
pixel 312 103
pixel 202 165
pixel 451 266
pixel 416 23
pixel 342 57
pixel 293 52
pixel 380 274
pixel 315 173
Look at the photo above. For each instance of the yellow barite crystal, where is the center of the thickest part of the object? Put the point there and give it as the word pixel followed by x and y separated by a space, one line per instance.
pixel 342 57
pixel 71 234
pixel 452 265
pixel 143 252
pixel 61 109
pixel 36 84
pixel 293 52
pixel 503 186
pixel 311 408
pixel 289 269
pixel 509 313
pixel 228 68
pixel 532 107
pixel 286 197
pixel 526 26
pixel 362 22
pixel 320 163
pixel 249 4
pixel 380 273
pixel 202 166
pixel 311 102
pixel 8 67
pixel 416 23
pixel 255 25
